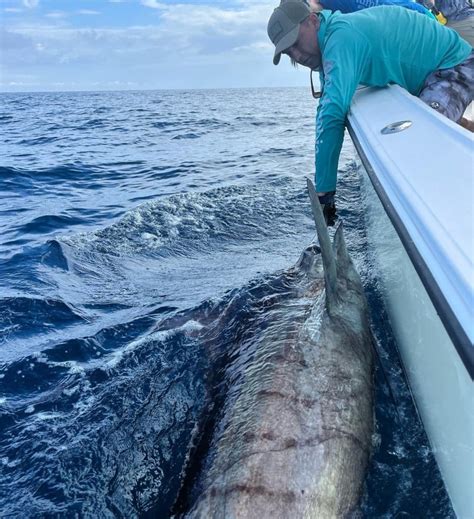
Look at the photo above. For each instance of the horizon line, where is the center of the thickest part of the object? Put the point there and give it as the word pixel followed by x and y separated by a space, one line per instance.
pixel 144 89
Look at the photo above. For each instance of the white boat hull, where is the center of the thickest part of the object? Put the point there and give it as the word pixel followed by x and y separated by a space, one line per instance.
pixel 422 238
pixel 441 386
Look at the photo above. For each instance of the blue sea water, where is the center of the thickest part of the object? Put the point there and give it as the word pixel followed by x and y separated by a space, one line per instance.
pixel 141 236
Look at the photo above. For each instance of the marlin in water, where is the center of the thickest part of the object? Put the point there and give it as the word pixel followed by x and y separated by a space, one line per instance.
pixel 295 440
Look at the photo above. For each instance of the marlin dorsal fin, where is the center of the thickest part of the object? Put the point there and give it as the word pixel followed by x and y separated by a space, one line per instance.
pixel 327 251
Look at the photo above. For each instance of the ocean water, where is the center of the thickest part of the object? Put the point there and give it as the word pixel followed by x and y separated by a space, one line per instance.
pixel 141 239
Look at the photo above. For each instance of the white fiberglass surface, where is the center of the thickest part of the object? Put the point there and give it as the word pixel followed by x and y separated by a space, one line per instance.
pixel 442 388
pixel 427 173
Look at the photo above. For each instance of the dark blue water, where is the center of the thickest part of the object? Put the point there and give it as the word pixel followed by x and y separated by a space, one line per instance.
pixel 142 234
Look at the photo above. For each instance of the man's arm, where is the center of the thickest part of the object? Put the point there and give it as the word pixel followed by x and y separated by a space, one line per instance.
pixel 345 54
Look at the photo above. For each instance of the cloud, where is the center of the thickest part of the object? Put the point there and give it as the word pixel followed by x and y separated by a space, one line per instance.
pixel 182 33
pixel 259 46
pixel 30 3
pixel 186 44
pixel 56 15
pixel 154 4
pixel 87 12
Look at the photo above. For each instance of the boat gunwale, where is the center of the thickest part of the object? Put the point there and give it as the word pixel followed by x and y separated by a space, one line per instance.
pixel 453 327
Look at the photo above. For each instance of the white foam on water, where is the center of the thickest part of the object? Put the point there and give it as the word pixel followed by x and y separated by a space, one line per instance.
pixel 74 366
pixel 70 391
pixel 47 416
pixel 158 336
pixel 86 402
pixel 191 326
pixel 152 237
pixel 193 217
pixel 11 464
pixel 115 357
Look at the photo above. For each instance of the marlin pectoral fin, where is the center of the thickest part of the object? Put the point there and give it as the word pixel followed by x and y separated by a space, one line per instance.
pixel 327 252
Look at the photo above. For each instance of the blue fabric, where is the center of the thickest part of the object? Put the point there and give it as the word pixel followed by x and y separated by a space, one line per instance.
pixel 374 47
pixel 350 6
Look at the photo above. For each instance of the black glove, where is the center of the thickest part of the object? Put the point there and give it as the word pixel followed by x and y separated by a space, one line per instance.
pixel 329 207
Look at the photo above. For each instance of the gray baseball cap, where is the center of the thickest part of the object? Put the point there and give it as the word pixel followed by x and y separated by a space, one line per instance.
pixel 284 25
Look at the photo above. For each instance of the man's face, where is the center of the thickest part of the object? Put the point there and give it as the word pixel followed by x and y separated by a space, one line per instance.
pixel 305 50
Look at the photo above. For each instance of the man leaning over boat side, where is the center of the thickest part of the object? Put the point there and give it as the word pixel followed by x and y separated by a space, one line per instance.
pixel 434 63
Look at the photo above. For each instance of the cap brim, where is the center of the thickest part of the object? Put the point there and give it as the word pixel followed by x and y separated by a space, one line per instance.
pixel 285 43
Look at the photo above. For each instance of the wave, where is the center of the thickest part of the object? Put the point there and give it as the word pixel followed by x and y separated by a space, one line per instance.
pixel 182 224
pixel 76 175
pixel 27 316
pixel 48 223
pixel 92 124
pixel 38 140
pixel 189 135
pixel 66 172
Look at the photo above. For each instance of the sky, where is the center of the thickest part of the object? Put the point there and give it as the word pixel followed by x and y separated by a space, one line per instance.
pixel 61 45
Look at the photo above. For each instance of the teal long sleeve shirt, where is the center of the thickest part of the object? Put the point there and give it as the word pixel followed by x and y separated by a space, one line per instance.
pixel 374 47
